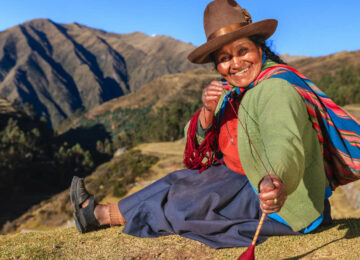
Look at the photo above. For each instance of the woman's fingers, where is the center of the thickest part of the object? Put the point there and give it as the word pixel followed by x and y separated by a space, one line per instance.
pixel 269 209
pixel 212 90
pixel 272 199
pixel 211 95
pixel 215 86
pixel 210 98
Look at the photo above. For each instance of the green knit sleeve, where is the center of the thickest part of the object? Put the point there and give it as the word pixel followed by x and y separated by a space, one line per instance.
pixel 283 123
pixel 200 132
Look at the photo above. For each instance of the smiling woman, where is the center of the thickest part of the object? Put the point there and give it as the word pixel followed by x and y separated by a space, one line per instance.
pixel 259 141
pixel 239 62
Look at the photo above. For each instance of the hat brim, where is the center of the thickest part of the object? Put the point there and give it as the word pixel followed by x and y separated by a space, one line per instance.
pixel 202 53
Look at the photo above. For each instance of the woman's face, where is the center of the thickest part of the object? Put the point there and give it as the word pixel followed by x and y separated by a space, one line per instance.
pixel 239 62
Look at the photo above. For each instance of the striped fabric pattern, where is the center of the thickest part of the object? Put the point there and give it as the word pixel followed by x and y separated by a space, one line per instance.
pixel 337 130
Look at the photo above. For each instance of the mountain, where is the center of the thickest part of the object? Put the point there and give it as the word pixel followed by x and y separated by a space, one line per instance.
pixel 62 68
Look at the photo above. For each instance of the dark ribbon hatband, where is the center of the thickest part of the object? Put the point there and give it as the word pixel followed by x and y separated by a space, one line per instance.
pixel 225 30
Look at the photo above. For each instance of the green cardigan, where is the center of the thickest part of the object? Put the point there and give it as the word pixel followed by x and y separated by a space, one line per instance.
pixel 276 119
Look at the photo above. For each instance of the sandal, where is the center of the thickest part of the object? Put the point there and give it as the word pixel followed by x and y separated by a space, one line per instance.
pixel 84 217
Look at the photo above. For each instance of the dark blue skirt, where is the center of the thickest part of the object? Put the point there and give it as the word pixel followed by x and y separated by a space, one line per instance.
pixel 217 207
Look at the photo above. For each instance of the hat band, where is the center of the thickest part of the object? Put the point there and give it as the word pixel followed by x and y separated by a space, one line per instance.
pixel 225 30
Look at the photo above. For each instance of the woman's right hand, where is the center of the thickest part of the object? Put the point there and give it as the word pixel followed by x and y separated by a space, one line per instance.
pixel 210 98
pixel 271 188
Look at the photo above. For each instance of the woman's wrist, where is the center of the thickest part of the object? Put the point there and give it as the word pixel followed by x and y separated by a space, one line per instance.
pixel 206 118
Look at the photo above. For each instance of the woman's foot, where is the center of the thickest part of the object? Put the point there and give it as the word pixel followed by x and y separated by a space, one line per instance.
pixel 84 206
pixel 89 215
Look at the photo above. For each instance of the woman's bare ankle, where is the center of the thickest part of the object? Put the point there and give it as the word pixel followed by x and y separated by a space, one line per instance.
pixel 102 215
pixel 109 214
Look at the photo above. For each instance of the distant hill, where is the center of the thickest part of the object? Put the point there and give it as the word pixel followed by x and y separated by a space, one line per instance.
pixel 338 75
pixel 62 68
pixel 316 68
pixel 291 58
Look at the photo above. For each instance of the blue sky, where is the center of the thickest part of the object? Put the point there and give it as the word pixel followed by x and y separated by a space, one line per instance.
pixel 306 27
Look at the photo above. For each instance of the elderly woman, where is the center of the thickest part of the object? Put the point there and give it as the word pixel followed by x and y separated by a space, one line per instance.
pixel 256 142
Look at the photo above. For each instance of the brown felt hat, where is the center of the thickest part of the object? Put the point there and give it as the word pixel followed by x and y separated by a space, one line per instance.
pixel 224 22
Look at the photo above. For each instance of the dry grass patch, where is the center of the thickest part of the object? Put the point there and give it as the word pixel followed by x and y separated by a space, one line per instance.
pixel 338 241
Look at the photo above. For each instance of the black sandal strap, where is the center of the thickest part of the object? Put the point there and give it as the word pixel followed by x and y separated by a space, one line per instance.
pixel 83 194
pixel 87 216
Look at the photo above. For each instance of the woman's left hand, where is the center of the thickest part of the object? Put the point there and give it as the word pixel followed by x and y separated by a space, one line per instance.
pixel 272 194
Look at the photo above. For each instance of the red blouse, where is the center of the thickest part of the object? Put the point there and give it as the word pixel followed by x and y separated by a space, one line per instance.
pixel 228 138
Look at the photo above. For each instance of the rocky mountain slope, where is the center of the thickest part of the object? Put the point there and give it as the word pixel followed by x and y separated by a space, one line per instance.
pixel 61 68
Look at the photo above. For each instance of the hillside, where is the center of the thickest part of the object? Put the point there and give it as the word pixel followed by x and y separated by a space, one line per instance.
pixel 62 68
pixel 163 105
pixel 162 91
pixel 316 68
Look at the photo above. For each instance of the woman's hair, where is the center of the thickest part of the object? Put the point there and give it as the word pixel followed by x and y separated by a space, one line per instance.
pixel 258 40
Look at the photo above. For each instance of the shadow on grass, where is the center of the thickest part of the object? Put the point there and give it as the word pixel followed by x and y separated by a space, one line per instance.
pixel 351 225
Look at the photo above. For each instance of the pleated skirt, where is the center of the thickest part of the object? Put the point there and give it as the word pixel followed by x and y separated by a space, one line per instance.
pixel 217 207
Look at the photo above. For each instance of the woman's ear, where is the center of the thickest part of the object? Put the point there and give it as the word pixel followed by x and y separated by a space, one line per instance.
pixel 260 51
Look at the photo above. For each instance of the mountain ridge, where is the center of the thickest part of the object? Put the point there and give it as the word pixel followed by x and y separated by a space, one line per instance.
pixel 62 68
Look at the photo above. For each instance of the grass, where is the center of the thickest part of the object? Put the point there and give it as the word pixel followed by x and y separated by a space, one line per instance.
pixel 338 241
